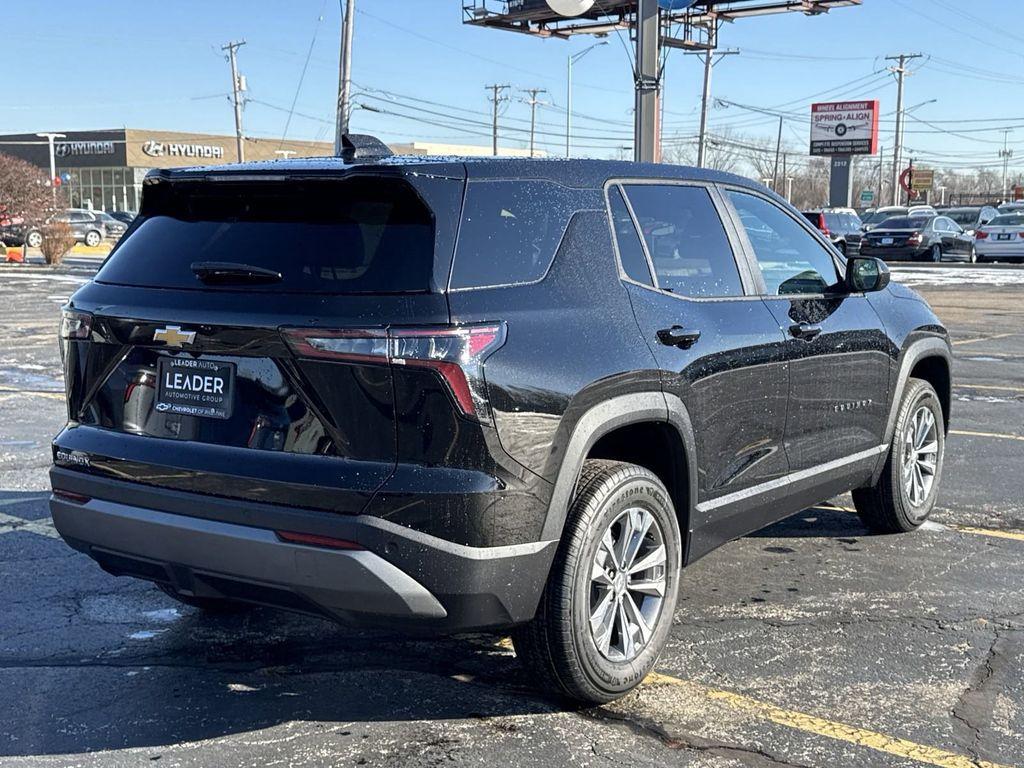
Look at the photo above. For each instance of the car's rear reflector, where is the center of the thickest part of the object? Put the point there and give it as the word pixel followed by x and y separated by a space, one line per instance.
pixel 315 540
pixel 74 498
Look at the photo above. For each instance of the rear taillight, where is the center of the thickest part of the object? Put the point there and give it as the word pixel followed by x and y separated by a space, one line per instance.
pixel 74 326
pixel 980 234
pixel 914 239
pixel 455 353
pixel 315 540
pixel 1020 234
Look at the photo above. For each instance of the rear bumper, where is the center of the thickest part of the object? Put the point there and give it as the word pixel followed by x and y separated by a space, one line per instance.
pixel 997 250
pixel 213 547
pixel 893 254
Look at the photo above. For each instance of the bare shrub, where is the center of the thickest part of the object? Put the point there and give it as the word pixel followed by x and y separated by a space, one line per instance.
pixel 58 240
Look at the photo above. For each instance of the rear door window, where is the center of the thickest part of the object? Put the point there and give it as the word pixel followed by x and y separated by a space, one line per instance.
pixel 631 250
pixel 357 235
pixel 511 231
pixel 686 240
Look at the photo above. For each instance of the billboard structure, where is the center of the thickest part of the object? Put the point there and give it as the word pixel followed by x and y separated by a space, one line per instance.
pixel 844 128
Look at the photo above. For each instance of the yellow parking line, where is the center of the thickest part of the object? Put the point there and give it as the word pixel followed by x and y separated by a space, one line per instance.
pixel 993 532
pixel 998 435
pixel 995 387
pixel 983 338
pixel 33 392
pixel 830 729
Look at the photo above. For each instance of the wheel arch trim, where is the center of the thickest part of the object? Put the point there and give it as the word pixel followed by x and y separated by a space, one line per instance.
pixel 913 354
pixel 616 412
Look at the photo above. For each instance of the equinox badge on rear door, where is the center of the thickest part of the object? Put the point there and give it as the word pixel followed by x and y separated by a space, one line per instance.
pixel 173 336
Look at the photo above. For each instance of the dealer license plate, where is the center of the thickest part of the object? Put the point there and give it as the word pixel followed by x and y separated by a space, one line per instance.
pixel 195 387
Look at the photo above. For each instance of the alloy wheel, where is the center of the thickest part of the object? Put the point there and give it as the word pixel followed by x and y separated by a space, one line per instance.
pixel 920 456
pixel 627 585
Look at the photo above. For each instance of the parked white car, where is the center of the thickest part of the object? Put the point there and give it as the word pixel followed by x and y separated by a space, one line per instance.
pixel 1002 239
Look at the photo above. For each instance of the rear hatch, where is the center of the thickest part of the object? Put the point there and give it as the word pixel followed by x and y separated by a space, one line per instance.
pixel 188 360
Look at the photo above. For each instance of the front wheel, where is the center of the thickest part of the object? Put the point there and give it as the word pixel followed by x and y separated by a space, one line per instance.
pixel 935 254
pixel 34 239
pixel 904 495
pixel 972 256
pixel 93 238
pixel 606 611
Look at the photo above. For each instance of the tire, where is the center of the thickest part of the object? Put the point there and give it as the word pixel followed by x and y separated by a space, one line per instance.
pixel 892 505
pixel 935 254
pixel 34 239
pixel 208 604
pixel 559 647
pixel 972 256
pixel 842 248
pixel 93 238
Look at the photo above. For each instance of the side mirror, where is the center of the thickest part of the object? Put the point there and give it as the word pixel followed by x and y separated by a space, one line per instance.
pixel 865 274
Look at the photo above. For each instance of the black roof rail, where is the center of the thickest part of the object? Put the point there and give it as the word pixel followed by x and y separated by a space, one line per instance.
pixel 359 146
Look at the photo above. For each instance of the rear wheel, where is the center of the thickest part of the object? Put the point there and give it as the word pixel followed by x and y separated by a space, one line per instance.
pixel 972 256
pixel 607 609
pixel 208 604
pixel 93 238
pixel 904 495
pixel 34 239
pixel 935 254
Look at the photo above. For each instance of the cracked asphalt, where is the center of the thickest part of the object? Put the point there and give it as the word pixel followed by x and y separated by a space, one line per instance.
pixel 810 643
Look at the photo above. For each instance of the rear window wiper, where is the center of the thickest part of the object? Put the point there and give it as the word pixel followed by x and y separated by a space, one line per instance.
pixel 228 272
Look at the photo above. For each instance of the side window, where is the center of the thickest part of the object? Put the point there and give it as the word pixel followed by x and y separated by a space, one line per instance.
pixel 791 260
pixel 631 250
pixel 510 231
pixel 686 240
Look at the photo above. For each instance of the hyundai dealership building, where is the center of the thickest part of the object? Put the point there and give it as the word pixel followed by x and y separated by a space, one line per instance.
pixel 103 170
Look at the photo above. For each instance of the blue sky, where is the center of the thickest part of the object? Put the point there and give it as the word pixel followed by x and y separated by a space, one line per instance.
pixel 75 65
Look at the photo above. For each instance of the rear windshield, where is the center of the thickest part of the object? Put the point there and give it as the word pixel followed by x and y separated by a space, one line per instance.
pixel 1008 220
pixel 964 217
pixel 358 235
pixel 904 222
pixel 876 217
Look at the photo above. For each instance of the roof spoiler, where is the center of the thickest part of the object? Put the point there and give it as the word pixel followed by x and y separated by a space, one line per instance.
pixel 357 147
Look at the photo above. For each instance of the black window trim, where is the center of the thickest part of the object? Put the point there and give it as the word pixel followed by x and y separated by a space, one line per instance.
pixel 747 280
pixel 751 255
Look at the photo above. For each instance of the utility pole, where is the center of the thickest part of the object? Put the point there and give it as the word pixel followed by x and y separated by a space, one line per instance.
pixel 1005 154
pixel 778 152
pixel 496 98
pixel 236 92
pixel 344 75
pixel 705 106
pixel 53 161
pixel 901 71
pixel 534 103
pixel 785 173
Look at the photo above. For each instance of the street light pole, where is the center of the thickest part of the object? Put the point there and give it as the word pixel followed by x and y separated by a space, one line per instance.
pixel 53 159
pixel 568 93
pixel 1005 154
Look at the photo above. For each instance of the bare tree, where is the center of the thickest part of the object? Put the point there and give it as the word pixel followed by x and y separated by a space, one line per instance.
pixel 722 153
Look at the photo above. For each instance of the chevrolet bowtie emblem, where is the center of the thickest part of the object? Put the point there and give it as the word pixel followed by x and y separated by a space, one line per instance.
pixel 173 336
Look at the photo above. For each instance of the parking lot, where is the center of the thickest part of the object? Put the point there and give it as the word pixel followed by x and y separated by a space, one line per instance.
pixel 807 644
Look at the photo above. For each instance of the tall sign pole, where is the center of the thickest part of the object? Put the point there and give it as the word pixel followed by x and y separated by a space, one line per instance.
pixel 53 160
pixel 344 75
pixel 705 104
pixel 648 82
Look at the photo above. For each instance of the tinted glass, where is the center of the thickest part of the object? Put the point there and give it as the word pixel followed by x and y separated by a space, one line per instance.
pixel 354 236
pixel 686 239
pixel 835 222
pixel 905 222
pixel 1008 220
pixel 631 250
pixel 964 218
pixel 791 259
pixel 814 218
pixel 511 231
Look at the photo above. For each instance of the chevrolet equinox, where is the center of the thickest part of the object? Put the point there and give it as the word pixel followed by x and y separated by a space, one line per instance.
pixel 450 394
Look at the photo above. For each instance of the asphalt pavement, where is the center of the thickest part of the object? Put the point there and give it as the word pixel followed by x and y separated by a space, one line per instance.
pixel 811 643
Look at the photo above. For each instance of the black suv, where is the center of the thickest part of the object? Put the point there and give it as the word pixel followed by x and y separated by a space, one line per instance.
pixel 481 394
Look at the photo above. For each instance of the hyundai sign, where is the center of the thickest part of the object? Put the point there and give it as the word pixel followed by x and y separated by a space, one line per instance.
pixel 844 128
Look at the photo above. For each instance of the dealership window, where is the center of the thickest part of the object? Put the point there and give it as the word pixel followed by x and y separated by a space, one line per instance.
pixel 105 189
